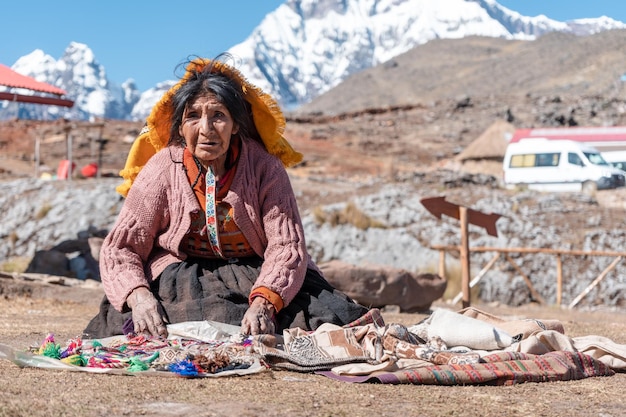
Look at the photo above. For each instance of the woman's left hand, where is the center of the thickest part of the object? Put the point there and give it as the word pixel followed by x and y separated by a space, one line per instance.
pixel 259 318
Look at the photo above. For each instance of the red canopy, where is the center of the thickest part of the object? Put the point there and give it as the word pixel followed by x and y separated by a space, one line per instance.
pixel 12 79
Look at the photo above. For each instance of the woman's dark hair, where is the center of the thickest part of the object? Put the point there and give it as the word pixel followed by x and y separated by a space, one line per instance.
pixel 227 91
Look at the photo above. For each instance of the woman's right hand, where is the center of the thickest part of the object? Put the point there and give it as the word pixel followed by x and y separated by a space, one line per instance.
pixel 148 315
pixel 258 319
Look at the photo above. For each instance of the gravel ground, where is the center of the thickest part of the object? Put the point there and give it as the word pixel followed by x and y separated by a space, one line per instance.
pixel 29 311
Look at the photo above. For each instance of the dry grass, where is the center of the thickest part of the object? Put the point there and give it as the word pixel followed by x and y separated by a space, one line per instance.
pixel 15 264
pixel 349 214
pixel 43 211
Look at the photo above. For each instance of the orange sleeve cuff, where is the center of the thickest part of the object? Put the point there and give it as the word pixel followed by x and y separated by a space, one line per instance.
pixel 269 295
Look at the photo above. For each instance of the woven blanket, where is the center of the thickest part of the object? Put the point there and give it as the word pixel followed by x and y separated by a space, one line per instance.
pixel 394 355
pixel 506 368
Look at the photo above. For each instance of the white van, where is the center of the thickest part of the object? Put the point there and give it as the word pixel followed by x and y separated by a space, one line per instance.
pixel 558 165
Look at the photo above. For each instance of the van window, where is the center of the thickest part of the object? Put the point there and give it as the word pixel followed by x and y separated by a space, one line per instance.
pixel 548 159
pixel 528 160
pixel 574 159
pixel 522 161
pixel 595 158
pixel 619 165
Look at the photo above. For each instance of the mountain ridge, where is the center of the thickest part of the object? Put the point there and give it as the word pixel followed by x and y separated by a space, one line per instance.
pixel 298 52
pixel 480 67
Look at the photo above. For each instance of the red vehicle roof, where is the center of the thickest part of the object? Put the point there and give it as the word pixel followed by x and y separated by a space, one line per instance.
pixel 580 134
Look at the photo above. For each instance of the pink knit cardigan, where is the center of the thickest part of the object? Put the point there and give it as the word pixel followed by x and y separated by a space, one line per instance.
pixel 155 217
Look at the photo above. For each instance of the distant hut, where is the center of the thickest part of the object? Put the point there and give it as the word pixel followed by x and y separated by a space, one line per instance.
pixel 485 153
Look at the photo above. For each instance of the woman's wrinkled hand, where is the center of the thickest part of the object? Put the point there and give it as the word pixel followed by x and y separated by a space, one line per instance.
pixel 259 319
pixel 148 315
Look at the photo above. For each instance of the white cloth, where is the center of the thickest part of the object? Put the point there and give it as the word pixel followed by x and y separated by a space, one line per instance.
pixel 455 329
pixel 599 347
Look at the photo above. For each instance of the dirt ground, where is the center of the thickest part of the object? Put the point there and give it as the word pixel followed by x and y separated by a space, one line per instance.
pixel 29 311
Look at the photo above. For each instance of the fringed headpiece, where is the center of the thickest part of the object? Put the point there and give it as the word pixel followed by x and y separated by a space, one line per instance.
pixel 266 114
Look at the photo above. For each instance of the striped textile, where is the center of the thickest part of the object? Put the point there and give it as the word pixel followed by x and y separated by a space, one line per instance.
pixel 502 368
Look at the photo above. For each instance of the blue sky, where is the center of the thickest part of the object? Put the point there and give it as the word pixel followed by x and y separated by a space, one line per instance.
pixel 146 40
pixel 143 40
pixel 568 10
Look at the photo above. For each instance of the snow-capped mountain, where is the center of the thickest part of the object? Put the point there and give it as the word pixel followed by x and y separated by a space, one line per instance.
pixel 306 47
pixel 85 81
pixel 299 51
pixel 142 107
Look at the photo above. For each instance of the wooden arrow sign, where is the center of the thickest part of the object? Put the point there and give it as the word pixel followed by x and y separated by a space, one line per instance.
pixel 438 206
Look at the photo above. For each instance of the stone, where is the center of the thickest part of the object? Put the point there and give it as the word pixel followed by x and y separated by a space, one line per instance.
pixel 380 286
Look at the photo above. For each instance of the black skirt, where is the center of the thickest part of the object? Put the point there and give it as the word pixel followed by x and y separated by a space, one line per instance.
pixel 218 290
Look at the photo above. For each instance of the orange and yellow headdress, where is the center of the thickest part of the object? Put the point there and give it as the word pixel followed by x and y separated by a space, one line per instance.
pixel 266 114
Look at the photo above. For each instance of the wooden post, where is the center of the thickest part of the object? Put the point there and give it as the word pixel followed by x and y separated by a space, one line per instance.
pixel 559 280
pixel 93 143
pixel 100 148
pixel 37 155
pixel 465 257
pixel 442 263
pixel 69 156
pixel 438 206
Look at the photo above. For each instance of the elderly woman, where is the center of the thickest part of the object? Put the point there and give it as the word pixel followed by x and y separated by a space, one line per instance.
pixel 210 228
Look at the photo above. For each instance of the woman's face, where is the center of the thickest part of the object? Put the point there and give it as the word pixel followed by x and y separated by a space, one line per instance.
pixel 207 127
